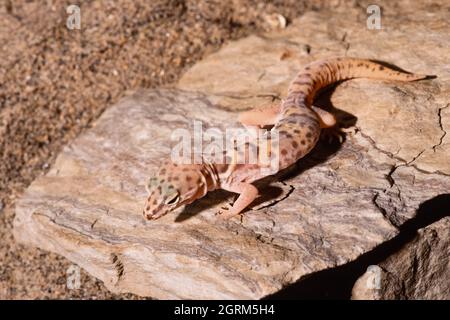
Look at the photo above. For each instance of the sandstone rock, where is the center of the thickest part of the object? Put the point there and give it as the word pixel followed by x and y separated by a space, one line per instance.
pixel 420 270
pixel 336 204
pixel 89 206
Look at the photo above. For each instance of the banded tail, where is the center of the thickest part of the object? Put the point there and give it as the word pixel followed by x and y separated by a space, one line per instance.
pixel 322 73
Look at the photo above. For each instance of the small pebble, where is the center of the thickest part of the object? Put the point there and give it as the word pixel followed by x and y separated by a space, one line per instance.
pixel 276 20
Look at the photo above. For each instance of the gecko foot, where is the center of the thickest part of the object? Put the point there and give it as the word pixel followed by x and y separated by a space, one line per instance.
pixel 226 212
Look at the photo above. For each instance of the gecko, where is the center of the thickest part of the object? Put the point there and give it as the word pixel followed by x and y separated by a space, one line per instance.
pixel 298 123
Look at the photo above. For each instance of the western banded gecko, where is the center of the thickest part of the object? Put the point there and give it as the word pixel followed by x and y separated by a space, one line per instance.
pixel 297 122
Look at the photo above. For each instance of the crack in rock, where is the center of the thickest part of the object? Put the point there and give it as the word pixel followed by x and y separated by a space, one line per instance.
pixel 395 199
pixel 405 162
pixel 376 147
pixel 441 126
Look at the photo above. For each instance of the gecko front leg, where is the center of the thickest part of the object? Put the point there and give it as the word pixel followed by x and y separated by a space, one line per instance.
pixel 247 193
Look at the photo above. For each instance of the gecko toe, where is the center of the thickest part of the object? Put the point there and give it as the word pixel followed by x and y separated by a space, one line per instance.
pixel 333 134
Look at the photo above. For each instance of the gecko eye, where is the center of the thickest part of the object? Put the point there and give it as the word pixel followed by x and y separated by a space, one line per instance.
pixel 173 199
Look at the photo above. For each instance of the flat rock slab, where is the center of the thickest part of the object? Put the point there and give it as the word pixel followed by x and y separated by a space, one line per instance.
pixel 88 208
pixel 334 205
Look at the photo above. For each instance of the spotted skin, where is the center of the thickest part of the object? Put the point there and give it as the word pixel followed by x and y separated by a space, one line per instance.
pixel 298 123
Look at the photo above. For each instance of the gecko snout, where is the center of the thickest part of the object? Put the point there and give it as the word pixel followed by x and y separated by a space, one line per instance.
pixel 157 205
pixel 173 186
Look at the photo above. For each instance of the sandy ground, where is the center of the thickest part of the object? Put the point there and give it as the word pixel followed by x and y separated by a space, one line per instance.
pixel 55 81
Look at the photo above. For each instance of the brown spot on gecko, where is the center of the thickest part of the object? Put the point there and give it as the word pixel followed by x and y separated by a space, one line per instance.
pixel 294 144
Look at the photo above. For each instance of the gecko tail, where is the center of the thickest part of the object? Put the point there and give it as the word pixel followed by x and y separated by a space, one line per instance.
pixel 361 68
pixel 376 70
pixel 348 68
pixel 394 73
pixel 322 73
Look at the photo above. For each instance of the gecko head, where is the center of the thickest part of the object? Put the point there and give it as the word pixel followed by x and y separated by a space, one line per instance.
pixel 173 186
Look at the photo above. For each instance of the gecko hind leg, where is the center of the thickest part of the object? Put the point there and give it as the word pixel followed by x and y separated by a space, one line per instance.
pixel 260 117
pixel 329 126
pixel 247 193
pixel 327 119
pixel 257 118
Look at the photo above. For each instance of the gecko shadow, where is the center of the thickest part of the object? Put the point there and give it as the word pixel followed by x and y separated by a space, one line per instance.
pixel 211 199
pixel 269 193
pixel 337 283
